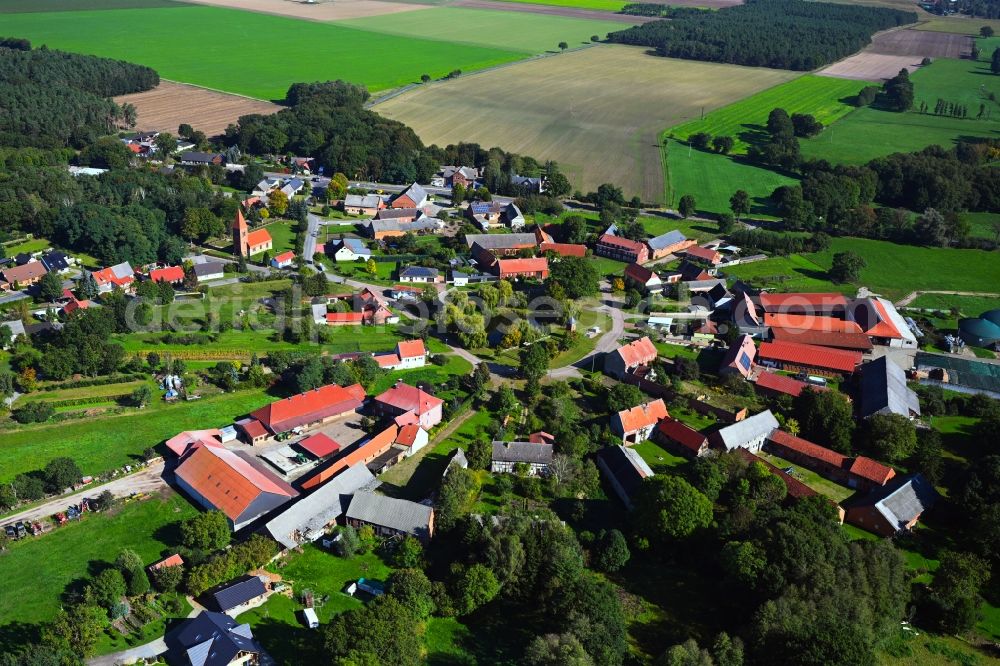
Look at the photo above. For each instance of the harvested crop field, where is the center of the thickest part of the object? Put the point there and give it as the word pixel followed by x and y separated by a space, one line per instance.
pixel 169 104
pixel 598 111
pixel 320 11
pixel 867 66
pixel 922 43
pixel 552 10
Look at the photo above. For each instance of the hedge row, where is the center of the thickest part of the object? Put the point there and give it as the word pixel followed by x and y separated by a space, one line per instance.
pixel 99 381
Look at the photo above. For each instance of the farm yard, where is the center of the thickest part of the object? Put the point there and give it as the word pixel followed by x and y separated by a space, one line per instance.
pixel 572 109
pixel 169 104
pixel 215 47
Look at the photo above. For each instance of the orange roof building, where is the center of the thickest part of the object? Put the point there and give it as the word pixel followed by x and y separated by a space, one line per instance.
pixel 171 274
pixel 534 267
pixel 364 454
pixel 636 424
pixel 820 323
pixel 856 341
pixel 320 445
pixel 629 357
pixel 174 560
pixel 407 404
pixel 772 383
pixel 808 358
pixel 682 437
pixel 247 243
pixel 860 472
pixel 310 408
pixel 220 479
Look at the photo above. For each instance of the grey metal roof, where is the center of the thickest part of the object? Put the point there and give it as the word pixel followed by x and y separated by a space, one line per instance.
pixel 211 639
pixel 627 467
pixel 395 514
pixel 884 390
pixel 666 240
pixel 522 452
pixel 198 156
pixel 209 268
pixel 417 193
pixel 309 516
pixel 239 592
pixel 742 432
pixel 122 270
pixel 362 201
pixel 499 241
pixel 906 501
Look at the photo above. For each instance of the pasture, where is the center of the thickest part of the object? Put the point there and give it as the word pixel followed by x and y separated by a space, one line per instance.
pixel 234 51
pixel 867 133
pixel 169 104
pixel 598 111
pixel 515 31
pixel 20 6
pixel 961 25
pixel 712 178
pixel 825 98
pixel 892 270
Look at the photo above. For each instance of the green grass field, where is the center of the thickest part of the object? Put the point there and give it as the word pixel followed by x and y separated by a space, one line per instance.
pixel 236 51
pixel 823 97
pixel 71 552
pixel 958 25
pixel 658 458
pixel 893 270
pixel 283 235
pixel 969 306
pixel 513 31
pixel 712 179
pixel 20 6
pixel 95 449
pixel 867 133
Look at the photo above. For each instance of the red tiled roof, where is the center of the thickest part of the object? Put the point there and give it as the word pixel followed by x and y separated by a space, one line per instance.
pixel 285 256
pixel 708 328
pixel 808 449
pixel 856 341
pixel 134 147
pixel 108 275
pixel 75 305
pixel 409 399
pixel 253 428
pixel 564 249
pixel 541 437
pixel 884 328
pixel 374 447
pixel 811 356
pixel 226 481
pixel 320 445
pixel 869 469
pixel 618 241
pixel 643 415
pixel 168 274
pixel 310 406
pixel 387 360
pixel 518 266
pixel 403 287
pixel 408 435
pixel 411 348
pixel 183 442
pixel 174 560
pixel 704 253
pixel 638 352
pixel 784 384
pixel 817 323
pixel 681 433
pixel 344 317
pixel 258 237
pixel 802 300
pixel 638 273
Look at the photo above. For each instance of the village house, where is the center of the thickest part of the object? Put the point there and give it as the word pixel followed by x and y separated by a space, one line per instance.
pixel 412 438
pixel 536 457
pixel 499 245
pixel 174 560
pixel 58 262
pixel 120 275
pixel 643 279
pixel 248 243
pixel 401 292
pixel 703 254
pixel 220 479
pixel 16 328
pixel 739 358
pixel 895 508
pixel 534 268
pixel 681 438
pixel 622 249
pixel 216 635
pixel 528 184
pixel 366 204
pixel 625 471
pixel 795 357
pixel 629 357
pixel 858 473
pixel 420 274
pixel 390 517
pixel 308 519
pixel 636 424
pixel 24 275
pixel 884 391
pixel 198 158
pixel 460 175
pixel 672 242
pixel 382 228
pixel 409 354
pixel 408 404
pixel 750 433
pixel 413 196
pixel 209 270
pixel 169 274
pixel 686 272
pixel 348 249
pixel 283 260
pixel 236 596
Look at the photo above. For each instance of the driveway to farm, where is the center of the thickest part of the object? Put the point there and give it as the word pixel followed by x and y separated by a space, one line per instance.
pixel 148 480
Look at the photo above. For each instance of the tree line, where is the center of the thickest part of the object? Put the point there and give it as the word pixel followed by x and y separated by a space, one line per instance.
pixel 785 34
pixel 51 98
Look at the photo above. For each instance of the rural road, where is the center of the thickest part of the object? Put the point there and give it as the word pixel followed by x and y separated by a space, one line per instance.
pixel 147 480
pixel 606 343
pixel 152 649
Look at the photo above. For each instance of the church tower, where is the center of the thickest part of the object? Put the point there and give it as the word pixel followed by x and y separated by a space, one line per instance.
pixel 241 246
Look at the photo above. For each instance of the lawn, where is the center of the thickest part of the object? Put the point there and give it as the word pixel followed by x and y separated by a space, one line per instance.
pixel 30 245
pixel 79 550
pixel 824 97
pixel 95 449
pixel 657 457
pixel 584 344
pixel 958 24
pixel 821 485
pixel 216 48
pixel 283 235
pixel 712 179
pixel 892 270
pixel 867 133
pixel 514 31
pixel 983 225
pixel 968 306
pixel 19 6
pixel 598 112
pixel 384 271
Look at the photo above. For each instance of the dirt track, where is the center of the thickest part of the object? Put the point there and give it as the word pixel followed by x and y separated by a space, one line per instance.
pixel 322 11
pixel 548 10
pixel 169 104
